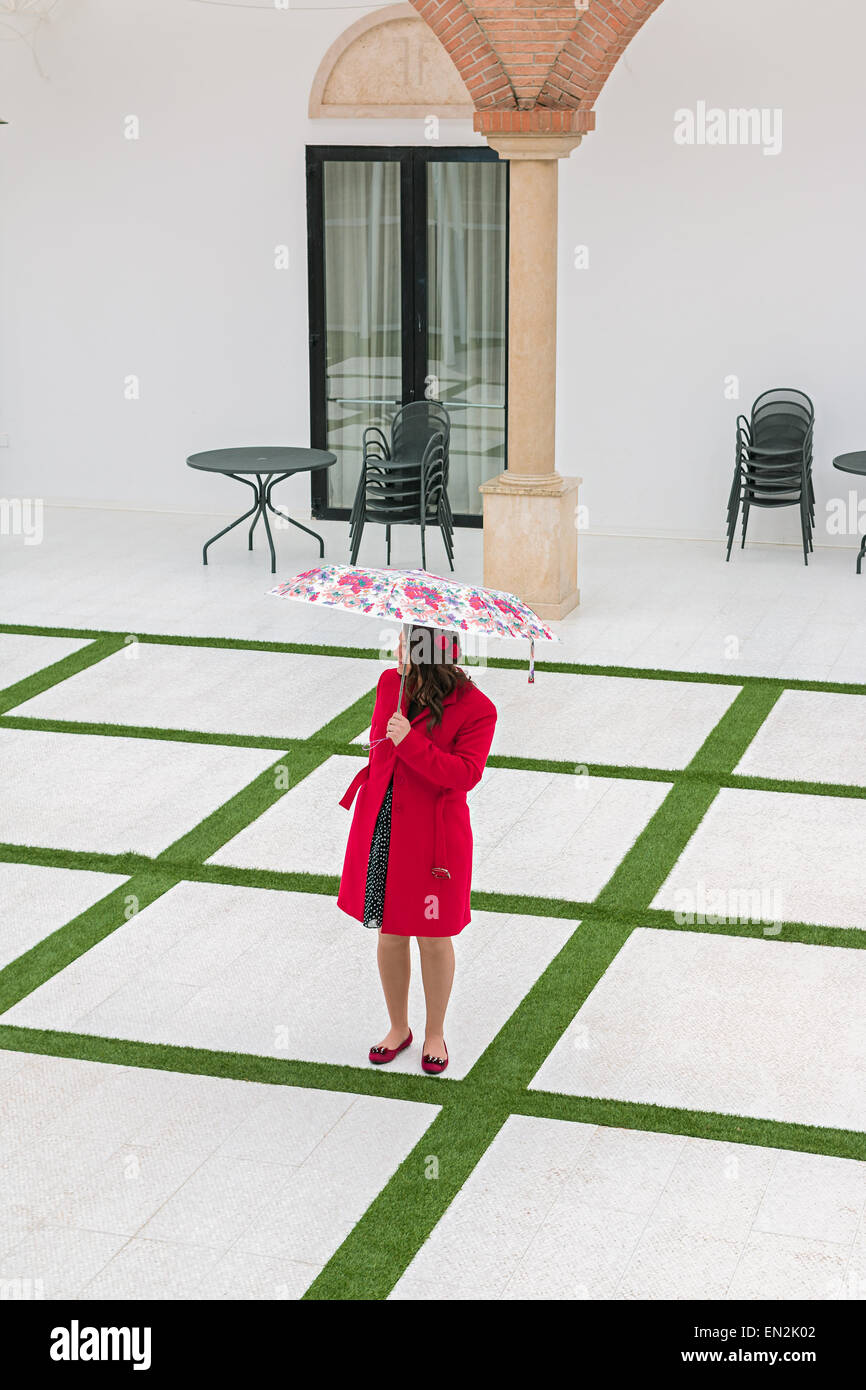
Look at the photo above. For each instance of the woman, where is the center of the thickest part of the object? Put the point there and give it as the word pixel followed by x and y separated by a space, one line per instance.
pixel 408 865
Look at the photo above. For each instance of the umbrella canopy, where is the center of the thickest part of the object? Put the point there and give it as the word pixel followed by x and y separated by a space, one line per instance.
pixel 414 596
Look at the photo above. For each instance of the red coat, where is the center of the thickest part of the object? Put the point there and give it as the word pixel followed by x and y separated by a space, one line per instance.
pixel 430 828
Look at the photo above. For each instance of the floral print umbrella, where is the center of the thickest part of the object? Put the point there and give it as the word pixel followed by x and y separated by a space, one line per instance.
pixel 414 596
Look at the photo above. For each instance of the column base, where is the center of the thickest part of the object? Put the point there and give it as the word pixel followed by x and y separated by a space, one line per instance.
pixel 530 540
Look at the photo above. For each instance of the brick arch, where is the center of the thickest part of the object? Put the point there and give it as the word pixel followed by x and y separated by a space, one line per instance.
pixel 481 68
pixel 526 54
pixel 602 34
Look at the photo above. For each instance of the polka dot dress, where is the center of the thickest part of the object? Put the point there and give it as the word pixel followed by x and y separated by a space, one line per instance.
pixel 377 864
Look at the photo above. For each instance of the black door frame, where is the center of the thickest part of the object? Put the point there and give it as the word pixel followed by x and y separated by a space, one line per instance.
pixel 413 161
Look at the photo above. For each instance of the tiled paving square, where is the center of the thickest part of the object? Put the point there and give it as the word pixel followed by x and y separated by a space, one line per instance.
pixel 780 856
pixel 211 689
pixel 811 736
pixel 86 792
pixel 632 722
pixel 281 974
pixel 700 1021
pixel 166 1202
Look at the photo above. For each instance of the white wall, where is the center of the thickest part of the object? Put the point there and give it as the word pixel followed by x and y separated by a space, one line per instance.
pixel 155 257
pixel 712 261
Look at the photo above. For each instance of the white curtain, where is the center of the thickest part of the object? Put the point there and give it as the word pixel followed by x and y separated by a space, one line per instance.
pixel 362 309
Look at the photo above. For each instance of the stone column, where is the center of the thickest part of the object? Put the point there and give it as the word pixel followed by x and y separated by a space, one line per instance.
pixel 530 532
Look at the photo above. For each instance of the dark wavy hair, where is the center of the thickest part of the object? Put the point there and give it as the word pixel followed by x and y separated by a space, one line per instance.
pixel 433 655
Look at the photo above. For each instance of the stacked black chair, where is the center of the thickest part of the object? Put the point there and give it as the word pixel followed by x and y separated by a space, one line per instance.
pixel 773 462
pixel 404 480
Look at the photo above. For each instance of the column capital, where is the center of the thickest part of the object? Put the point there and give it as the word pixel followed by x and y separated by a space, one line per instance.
pixel 540 133
pixel 534 146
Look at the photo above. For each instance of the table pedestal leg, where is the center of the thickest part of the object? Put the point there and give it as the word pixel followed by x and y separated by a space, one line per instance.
pixel 262 494
pixel 861 553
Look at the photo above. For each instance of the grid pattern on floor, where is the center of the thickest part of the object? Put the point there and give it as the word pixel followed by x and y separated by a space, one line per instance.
pixel 474 1109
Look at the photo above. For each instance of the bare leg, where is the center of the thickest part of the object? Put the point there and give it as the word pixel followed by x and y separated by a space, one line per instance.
pixel 394 961
pixel 437 972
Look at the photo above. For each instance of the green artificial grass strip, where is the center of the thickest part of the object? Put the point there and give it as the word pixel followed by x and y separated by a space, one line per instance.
pixel 89 860
pixel 374 1254
pixel 698 1124
pixel 725 745
pixel 72 726
pixel 849 938
pixel 236 644
pixel 779 784
pixel 58 671
pixel 325 885
pixel 514 1056
pixel 234 1066
pixel 657 849
pixel 51 955
pixel 243 808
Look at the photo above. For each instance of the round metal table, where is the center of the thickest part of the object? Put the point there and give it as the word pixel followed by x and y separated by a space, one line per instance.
pixel 261 469
pixel 854 463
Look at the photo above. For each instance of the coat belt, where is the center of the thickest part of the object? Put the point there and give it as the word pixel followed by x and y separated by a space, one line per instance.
pixel 439 869
pixel 353 787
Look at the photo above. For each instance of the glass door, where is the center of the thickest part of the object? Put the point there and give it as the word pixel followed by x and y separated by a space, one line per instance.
pixel 408 298
pixel 467 317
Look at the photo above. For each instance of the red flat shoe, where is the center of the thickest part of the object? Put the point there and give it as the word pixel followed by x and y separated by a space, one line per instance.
pixel 380 1055
pixel 433 1065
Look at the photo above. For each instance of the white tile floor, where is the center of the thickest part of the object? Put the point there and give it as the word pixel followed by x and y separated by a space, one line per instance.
pixel 811 736
pixel 36 901
pixel 775 1030
pixel 568 1211
pixel 800 854
pixel 86 792
pixel 538 833
pixel 146 1184
pixel 22 655
pixel 283 975
pixel 213 690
